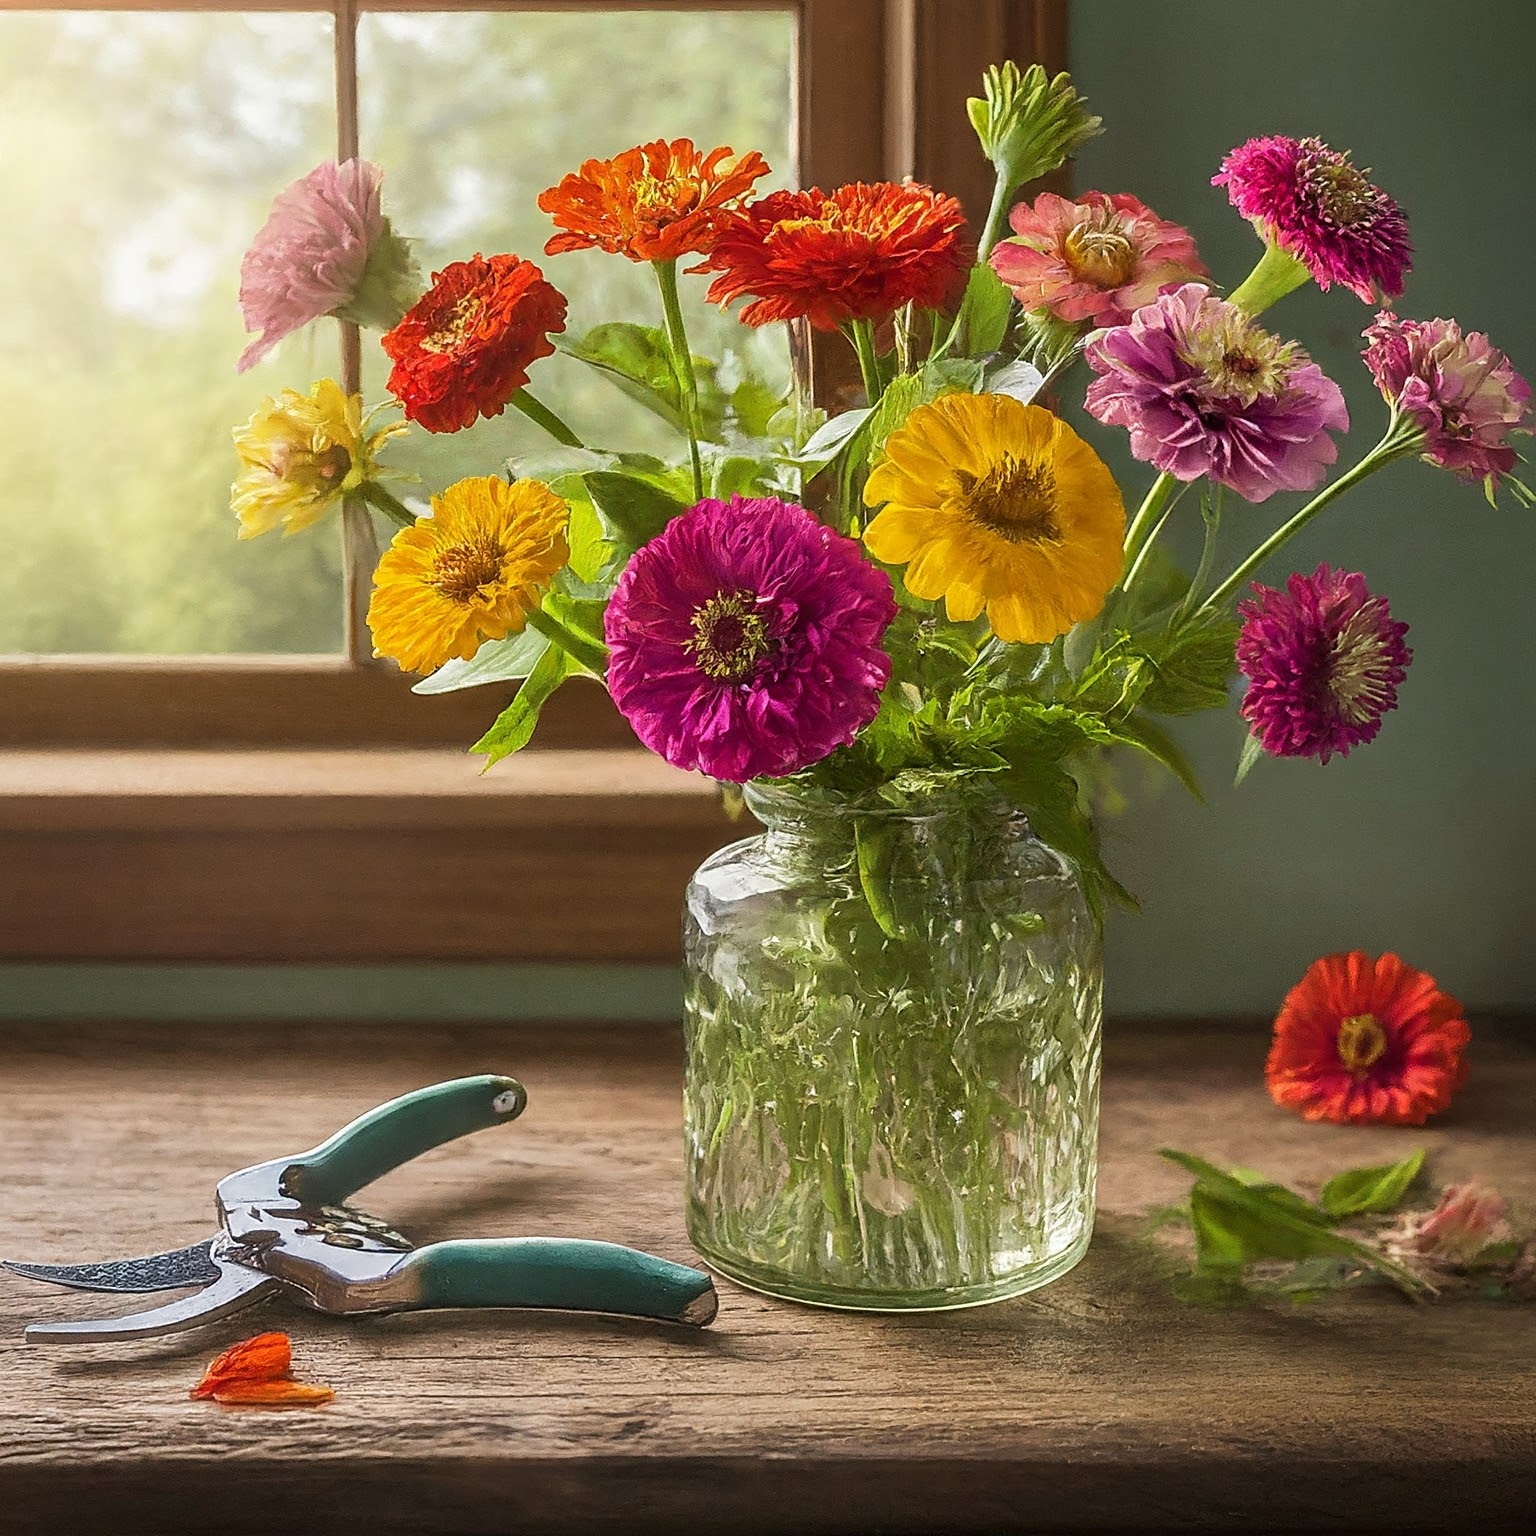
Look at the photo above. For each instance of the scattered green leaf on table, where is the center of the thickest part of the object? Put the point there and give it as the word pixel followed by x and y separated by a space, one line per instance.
pixel 1380 1189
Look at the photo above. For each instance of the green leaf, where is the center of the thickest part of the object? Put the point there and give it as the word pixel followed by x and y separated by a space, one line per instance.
pixel 635 358
pixel 1253 750
pixel 1379 1189
pixel 982 321
pixel 754 404
pixel 1020 379
pixel 873 839
pixel 830 438
pixel 515 725
pixel 1192 666
pixel 1145 736
pixel 1258 1223
pixel 632 509
pixel 497 661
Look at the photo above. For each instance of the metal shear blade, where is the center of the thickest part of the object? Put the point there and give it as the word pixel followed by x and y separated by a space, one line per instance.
pixel 156 1272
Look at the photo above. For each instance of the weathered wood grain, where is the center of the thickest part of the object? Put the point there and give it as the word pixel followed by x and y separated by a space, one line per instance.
pixel 1098 1404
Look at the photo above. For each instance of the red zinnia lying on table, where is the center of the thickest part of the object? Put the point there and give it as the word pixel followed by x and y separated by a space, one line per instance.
pixel 1362 1040
pixel 464 348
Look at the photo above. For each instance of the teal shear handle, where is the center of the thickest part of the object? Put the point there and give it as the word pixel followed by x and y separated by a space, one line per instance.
pixel 572 1274
pixel 398 1131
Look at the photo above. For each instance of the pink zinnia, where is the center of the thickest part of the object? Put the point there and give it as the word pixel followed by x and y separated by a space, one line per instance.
pixel 1204 390
pixel 326 249
pixel 744 639
pixel 1323 660
pixel 1459 388
pixel 1310 201
pixel 1096 258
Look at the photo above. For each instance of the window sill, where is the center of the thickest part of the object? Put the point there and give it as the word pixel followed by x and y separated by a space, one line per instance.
pixel 399 854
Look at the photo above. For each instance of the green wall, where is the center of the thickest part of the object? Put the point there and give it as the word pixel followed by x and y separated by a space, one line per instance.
pixel 1424 841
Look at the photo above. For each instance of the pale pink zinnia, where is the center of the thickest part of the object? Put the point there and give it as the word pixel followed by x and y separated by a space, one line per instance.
pixel 1311 202
pixel 326 249
pixel 1459 388
pixel 1204 390
pixel 1095 257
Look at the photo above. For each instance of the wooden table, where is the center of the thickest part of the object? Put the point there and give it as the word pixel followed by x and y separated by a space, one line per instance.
pixel 1097 1404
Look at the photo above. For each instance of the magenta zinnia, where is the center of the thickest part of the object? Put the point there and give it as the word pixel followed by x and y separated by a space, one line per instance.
pixel 745 639
pixel 1204 390
pixel 326 249
pixel 1311 202
pixel 1323 660
pixel 1094 258
pixel 1458 388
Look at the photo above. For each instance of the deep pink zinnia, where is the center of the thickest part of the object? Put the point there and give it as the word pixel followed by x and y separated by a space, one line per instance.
pixel 744 639
pixel 325 249
pixel 1310 201
pixel 1459 388
pixel 1323 660
pixel 1204 390
pixel 1094 257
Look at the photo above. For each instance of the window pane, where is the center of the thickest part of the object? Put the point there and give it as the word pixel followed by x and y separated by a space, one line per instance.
pixel 138 154
pixel 472 115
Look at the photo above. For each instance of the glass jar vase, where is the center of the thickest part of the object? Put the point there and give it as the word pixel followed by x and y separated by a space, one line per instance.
pixel 892 1020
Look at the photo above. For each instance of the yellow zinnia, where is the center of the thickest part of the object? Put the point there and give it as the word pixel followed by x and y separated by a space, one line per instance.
pixel 990 503
pixel 299 454
pixel 472 571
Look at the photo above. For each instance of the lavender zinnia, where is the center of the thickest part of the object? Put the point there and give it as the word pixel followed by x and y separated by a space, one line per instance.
pixel 745 639
pixel 1204 390
pixel 1311 202
pixel 1323 660
pixel 1458 388
pixel 326 249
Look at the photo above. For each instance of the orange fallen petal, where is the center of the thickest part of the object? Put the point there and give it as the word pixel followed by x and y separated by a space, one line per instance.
pixel 273 1394
pixel 267 1357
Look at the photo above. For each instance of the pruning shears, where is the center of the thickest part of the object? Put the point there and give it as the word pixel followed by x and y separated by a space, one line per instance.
pixel 286 1226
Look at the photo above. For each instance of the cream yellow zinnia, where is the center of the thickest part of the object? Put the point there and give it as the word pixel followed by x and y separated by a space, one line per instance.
pixel 299 454
pixel 992 504
pixel 472 571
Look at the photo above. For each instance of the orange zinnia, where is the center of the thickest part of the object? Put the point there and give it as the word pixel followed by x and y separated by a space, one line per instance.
pixel 1362 1040
pixel 655 202
pixel 856 253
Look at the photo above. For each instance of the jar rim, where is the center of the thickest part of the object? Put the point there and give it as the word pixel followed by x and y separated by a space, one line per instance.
pixel 775 802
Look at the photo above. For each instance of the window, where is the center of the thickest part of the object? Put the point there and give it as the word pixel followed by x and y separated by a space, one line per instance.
pixel 132 617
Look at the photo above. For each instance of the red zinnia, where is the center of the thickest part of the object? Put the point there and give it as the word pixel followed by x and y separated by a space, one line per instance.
pixel 857 253
pixel 465 347
pixel 1362 1040
pixel 655 202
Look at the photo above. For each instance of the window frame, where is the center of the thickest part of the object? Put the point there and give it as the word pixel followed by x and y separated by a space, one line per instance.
pixel 900 115
pixel 198 808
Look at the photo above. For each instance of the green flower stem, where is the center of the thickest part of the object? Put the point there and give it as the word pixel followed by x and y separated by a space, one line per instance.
pixel 1403 439
pixel 537 411
pixel 380 499
pixel 1276 274
pixel 682 366
pixel 592 655
pixel 862 334
pixel 997 213
pixel 1148 516
pixel 1207 556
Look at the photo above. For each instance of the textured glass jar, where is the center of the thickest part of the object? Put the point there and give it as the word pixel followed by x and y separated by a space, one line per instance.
pixel 893 1055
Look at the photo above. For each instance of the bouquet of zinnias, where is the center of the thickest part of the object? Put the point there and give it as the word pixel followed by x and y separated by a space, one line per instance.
pixel 909 629
pixel 941 581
